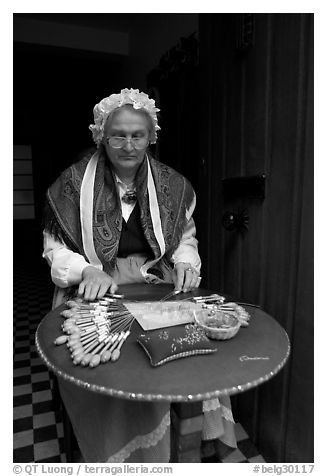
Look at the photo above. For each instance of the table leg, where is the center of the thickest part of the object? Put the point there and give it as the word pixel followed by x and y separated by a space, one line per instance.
pixel 186 432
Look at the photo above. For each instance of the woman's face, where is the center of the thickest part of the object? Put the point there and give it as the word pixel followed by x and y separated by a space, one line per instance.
pixel 131 124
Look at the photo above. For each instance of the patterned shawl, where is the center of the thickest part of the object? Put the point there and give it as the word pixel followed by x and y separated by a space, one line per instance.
pixel 62 218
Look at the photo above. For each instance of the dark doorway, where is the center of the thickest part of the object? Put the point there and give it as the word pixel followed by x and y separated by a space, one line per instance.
pixel 55 90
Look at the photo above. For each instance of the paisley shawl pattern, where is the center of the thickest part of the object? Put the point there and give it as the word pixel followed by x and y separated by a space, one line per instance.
pixel 174 194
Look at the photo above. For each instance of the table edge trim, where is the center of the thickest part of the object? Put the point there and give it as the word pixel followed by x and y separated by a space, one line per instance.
pixel 160 397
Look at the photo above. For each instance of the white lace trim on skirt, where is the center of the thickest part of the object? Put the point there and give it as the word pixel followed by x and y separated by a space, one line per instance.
pixel 142 441
pixel 214 404
pixel 227 413
pixel 210 405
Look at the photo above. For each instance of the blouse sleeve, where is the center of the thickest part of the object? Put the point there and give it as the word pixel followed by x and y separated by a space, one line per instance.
pixel 66 266
pixel 187 250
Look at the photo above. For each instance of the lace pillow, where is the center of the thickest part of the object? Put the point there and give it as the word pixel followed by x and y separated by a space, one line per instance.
pixel 164 345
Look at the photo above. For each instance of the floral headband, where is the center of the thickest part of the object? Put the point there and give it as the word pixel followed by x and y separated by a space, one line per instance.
pixel 107 105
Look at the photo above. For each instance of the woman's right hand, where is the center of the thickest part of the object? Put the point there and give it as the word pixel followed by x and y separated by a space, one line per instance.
pixel 95 283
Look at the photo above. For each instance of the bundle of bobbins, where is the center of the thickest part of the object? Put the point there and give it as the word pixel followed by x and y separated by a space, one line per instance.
pixel 215 302
pixel 95 331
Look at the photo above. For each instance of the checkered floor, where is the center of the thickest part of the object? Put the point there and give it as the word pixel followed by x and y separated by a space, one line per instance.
pixel 38 428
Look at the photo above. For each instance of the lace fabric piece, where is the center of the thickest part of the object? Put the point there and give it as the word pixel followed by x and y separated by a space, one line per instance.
pixel 227 413
pixel 211 405
pixel 142 441
pixel 214 405
pixel 218 421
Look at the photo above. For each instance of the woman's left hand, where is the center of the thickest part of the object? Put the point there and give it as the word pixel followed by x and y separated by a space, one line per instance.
pixel 185 277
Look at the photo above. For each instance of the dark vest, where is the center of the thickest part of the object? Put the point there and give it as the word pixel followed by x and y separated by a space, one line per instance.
pixel 132 239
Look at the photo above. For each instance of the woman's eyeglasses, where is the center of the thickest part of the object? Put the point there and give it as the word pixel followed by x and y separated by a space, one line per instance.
pixel 120 142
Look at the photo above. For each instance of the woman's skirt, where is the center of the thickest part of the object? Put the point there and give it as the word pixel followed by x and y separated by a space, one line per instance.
pixel 111 430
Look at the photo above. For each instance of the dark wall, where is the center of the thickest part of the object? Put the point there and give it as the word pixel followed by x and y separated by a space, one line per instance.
pixel 257 117
pixel 174 84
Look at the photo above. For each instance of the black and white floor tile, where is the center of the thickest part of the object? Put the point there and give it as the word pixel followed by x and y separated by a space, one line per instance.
pixel 37 426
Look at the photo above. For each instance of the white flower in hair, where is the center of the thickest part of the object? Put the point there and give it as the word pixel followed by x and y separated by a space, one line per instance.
pixel 106 106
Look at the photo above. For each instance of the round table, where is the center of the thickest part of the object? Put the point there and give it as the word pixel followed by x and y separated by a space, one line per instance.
pixel 252 357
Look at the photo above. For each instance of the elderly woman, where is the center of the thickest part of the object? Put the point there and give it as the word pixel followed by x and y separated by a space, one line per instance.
pixel 115 217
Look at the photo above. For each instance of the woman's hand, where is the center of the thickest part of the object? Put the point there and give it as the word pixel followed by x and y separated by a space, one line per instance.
pixel 185 277
pixel 95 283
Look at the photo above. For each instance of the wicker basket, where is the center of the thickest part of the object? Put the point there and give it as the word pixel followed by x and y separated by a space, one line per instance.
pixel 218 325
